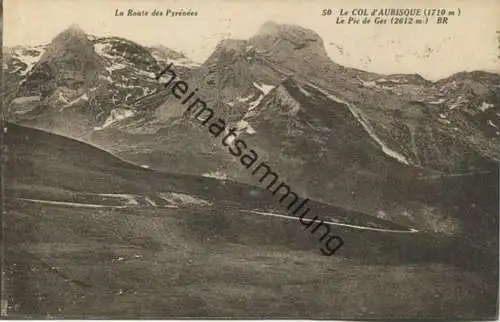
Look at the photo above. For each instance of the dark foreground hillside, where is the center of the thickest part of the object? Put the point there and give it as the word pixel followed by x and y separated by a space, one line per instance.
pixel 88 235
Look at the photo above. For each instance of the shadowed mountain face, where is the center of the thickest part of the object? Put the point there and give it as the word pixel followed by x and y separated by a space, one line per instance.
pixel 68 61
pixel 76 212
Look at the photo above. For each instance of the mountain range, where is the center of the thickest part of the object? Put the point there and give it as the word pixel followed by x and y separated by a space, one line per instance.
pixel 449 126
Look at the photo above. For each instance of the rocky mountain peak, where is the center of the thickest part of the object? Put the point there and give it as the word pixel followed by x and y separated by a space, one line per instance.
pixel 232 44
pixel 71 34
pixel 229 50
pixel 290 39
pixel 73 39
pixel 69 61
pixel 271 28
pixel 237 64
pixel 75 28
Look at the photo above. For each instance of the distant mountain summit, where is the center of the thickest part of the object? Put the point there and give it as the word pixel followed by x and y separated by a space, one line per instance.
pixel 73 34
pixel 282 42
pixel 69 64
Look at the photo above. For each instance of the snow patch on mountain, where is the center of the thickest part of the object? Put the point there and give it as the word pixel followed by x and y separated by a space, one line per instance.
pixel 490 123
pixel 148 74
pixel 61 98
pixel 458 102
pixel 29 56
pixel 367 84
pixel 255 103
pixel 115 66
pixel 116 115
pixel 439 101
pixel 184 199
pixel 485 106
pixel 244 99
pixel 216 175
pixel 24 104
pixel 265 89
pixel 303 91
pixel 230 139
pixel 128 198
pixel 243 125
pixel 287 100
pixel 79 99
pixel 385 80
pixel 26 99
pixel 99 49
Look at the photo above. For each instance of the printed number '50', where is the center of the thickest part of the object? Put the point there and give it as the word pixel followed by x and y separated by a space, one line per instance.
pixel 326 12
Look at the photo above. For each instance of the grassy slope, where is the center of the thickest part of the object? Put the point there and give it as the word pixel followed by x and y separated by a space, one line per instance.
pixel 212 261
pixel 60 265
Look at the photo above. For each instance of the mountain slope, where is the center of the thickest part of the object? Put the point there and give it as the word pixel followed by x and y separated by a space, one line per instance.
pixel 76 213
pixel 42 162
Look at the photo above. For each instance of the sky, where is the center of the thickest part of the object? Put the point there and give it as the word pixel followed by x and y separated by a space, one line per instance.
pixel 467 42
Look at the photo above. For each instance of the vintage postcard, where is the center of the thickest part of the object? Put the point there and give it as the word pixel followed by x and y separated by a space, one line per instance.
pixel 324 159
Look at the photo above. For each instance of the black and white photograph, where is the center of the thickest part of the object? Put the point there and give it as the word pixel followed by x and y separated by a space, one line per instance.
pixel 283 159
